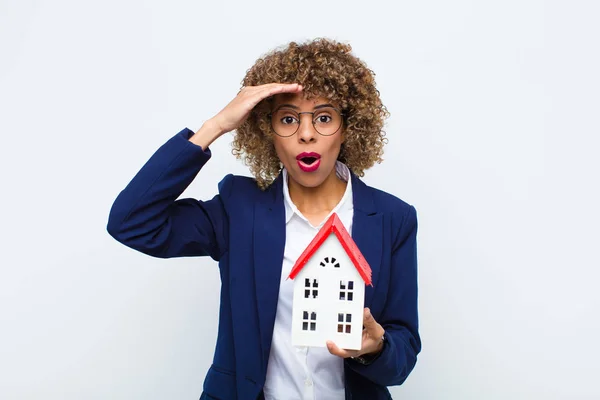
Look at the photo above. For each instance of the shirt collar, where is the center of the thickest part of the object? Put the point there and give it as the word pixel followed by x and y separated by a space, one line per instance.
pixel 342 172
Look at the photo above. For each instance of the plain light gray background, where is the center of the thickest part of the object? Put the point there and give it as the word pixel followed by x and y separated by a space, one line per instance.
pixel 493 137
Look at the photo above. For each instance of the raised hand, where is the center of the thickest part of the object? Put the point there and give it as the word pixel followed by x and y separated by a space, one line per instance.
pixel 372 336
pixel 238 109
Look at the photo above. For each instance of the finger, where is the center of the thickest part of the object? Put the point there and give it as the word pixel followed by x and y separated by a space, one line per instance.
pixel 373 328
pixel 276 84
pixel 280 88
pixel 256 94
pixel 271 86
pixel 336 351
pixel 368 320
pixel 252 91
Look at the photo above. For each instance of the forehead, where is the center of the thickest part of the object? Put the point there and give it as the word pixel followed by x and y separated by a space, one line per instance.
pixel 298 99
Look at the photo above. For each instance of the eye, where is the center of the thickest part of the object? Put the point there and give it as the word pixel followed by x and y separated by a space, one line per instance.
pixel 288 119
pixel 323 119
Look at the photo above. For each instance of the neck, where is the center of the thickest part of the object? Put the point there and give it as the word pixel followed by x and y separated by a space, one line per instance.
pixel 319 199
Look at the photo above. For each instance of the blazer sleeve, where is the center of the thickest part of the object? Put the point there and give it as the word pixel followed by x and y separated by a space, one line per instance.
pixel 399 317
pixel 146 215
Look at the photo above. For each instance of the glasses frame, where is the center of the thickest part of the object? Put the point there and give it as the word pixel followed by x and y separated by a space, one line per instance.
pixel 342 115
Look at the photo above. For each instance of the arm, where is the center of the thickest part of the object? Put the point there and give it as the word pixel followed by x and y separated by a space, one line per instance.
pixel 147 217
pixel 397 358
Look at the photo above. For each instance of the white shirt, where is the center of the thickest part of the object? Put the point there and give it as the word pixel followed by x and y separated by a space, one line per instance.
pixel 303 373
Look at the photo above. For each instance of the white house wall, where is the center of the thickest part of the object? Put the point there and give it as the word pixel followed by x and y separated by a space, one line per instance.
pixel 328 305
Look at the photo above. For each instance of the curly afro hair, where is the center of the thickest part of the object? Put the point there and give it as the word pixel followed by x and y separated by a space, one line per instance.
pixel 324 68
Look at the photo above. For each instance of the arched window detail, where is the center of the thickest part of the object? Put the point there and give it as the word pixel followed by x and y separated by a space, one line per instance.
pixel 330 261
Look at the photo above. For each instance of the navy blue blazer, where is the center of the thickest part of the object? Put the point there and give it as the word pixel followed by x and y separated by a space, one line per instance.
pixel 243 228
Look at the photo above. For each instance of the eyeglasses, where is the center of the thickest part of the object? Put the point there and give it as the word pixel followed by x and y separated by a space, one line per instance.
pixel 285 121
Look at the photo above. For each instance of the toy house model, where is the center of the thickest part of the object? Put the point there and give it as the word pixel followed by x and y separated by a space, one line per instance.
pixel 329 290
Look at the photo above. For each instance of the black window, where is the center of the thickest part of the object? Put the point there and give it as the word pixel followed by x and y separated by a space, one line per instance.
pixel 344 323
pixel 309 321
pixel 347 290
pixel 311 287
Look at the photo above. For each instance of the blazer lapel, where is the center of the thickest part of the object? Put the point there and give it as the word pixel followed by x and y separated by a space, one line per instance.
pixel 367 231
pixel 269 244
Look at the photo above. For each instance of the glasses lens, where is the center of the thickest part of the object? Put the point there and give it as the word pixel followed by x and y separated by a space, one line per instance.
pixel 327 121
pixel 285 122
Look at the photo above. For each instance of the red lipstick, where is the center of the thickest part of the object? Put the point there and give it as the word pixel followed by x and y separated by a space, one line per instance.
pixel 308 162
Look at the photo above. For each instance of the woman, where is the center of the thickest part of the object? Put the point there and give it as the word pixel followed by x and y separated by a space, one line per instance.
pixel 308 122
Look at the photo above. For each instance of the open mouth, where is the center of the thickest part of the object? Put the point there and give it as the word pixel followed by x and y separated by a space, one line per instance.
pixel 308 162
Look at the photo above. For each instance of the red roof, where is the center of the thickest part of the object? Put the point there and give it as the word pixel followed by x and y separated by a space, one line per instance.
pixel 335 225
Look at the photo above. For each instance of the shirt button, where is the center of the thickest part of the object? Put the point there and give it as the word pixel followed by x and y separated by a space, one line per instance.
pixel 308 382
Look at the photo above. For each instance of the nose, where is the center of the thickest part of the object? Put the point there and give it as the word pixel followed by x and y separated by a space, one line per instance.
pixel 306 131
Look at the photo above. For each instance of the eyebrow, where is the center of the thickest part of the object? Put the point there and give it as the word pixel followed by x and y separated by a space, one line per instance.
pixel 297 108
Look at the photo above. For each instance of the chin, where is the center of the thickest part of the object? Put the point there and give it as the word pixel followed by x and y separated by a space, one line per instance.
pixel 309 180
